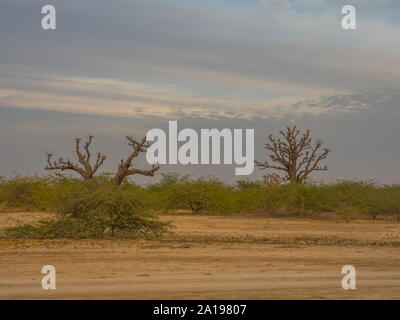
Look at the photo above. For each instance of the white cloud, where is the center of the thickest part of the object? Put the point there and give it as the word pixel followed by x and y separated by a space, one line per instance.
pixel 116 98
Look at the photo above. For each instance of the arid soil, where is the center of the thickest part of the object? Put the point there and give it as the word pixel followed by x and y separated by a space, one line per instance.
pixel 211 257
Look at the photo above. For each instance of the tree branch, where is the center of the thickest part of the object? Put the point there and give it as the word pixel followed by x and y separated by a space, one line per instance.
pixel 125 166
pixel 86 170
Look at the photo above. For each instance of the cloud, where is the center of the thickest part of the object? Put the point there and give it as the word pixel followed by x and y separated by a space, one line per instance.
pixel 135 64
pixel 277 5
pixel 120 98
pixel 177 60
pixel 228 49
pixel 117 98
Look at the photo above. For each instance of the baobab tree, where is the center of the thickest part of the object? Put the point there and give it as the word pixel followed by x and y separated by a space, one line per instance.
pixel 295 154
pixel 125 167
pixel 83 167
pixel 87 170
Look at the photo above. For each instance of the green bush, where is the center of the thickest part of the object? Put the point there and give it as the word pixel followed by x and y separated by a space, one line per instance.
pixel 64 195
pixel 167 194
pixel 196 195
pixel 175 192
pixel 211 196
pixel 107 211
pixel 393 194
pixel 378 200
pixel 28 193
pixel 250 196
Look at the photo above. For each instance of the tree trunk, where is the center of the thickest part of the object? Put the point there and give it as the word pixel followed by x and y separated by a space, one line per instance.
pixel 118 180
pixel 293 174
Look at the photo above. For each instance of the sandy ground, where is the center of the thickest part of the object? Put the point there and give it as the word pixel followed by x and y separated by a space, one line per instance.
pixel 211 258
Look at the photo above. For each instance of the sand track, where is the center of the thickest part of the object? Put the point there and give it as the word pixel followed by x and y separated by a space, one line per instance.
pixel 212 258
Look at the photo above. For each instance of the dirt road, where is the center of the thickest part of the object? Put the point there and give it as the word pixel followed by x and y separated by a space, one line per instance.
pixel 212 258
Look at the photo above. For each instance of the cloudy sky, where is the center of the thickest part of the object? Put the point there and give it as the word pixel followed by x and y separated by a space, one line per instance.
pixel 113 68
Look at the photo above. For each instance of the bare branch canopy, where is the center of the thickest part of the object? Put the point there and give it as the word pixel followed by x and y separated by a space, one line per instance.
pixel 295 154
pixel 83 167
pixel 125 167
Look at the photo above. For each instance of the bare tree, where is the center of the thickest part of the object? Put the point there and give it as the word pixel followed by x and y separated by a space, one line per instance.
pixel 83 167
pixel 125 166
pixel 295 154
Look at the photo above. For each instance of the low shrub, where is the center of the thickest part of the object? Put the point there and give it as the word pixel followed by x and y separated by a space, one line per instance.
pixel 84 199
pixel 104 212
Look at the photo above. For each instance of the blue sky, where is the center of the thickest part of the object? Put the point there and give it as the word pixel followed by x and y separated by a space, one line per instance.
pixel 123 67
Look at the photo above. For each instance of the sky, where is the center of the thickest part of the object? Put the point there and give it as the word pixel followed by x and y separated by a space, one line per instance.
pixel 123 67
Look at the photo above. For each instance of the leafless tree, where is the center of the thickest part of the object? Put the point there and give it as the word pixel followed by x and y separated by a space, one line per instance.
pixel 295 154
pixel 83 167
pixel 125 166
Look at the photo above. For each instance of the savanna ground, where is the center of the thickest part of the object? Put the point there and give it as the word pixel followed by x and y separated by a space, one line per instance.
pixel 210 257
